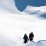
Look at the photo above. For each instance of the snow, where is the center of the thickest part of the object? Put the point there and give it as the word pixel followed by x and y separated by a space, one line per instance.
pixel 39 43
pixel 14 24
pixel 8 6
pixel 35 10
pixel 30 43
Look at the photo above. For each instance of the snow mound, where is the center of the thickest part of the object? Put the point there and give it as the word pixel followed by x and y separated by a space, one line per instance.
pixel 35 10
pixel 39 43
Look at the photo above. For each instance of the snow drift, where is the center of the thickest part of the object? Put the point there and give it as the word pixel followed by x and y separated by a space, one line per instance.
pixel 35 10
pixel 39 43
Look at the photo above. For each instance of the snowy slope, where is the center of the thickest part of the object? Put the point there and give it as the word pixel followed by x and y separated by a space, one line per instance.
pixel 14 26
pixel 8 6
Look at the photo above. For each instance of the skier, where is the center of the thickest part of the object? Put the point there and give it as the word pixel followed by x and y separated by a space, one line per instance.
pixel 25 38
pixel 31 36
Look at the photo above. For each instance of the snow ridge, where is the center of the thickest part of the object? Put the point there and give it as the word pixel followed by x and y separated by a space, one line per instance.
pixel 39 43
pixel 8 6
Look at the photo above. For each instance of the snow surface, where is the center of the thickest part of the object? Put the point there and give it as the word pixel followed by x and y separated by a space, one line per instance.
pixel 14 24
pixel 35 10
pixel 39 43
pixel 8 6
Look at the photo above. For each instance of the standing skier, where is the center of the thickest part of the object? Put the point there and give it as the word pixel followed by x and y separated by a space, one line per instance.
pixel 25 38
pixel 31 36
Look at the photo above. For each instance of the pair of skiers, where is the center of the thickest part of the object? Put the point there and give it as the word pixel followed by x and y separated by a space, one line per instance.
pixel 31 36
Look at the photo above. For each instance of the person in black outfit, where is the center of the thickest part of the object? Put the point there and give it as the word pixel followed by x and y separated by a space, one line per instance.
pixel 31 36
pixel 25 38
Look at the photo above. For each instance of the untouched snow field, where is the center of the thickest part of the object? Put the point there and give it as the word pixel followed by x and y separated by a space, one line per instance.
pixel 14 24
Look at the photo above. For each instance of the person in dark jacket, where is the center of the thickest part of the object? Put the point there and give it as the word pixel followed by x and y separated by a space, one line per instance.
pixel 25 38
pixel 31 36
